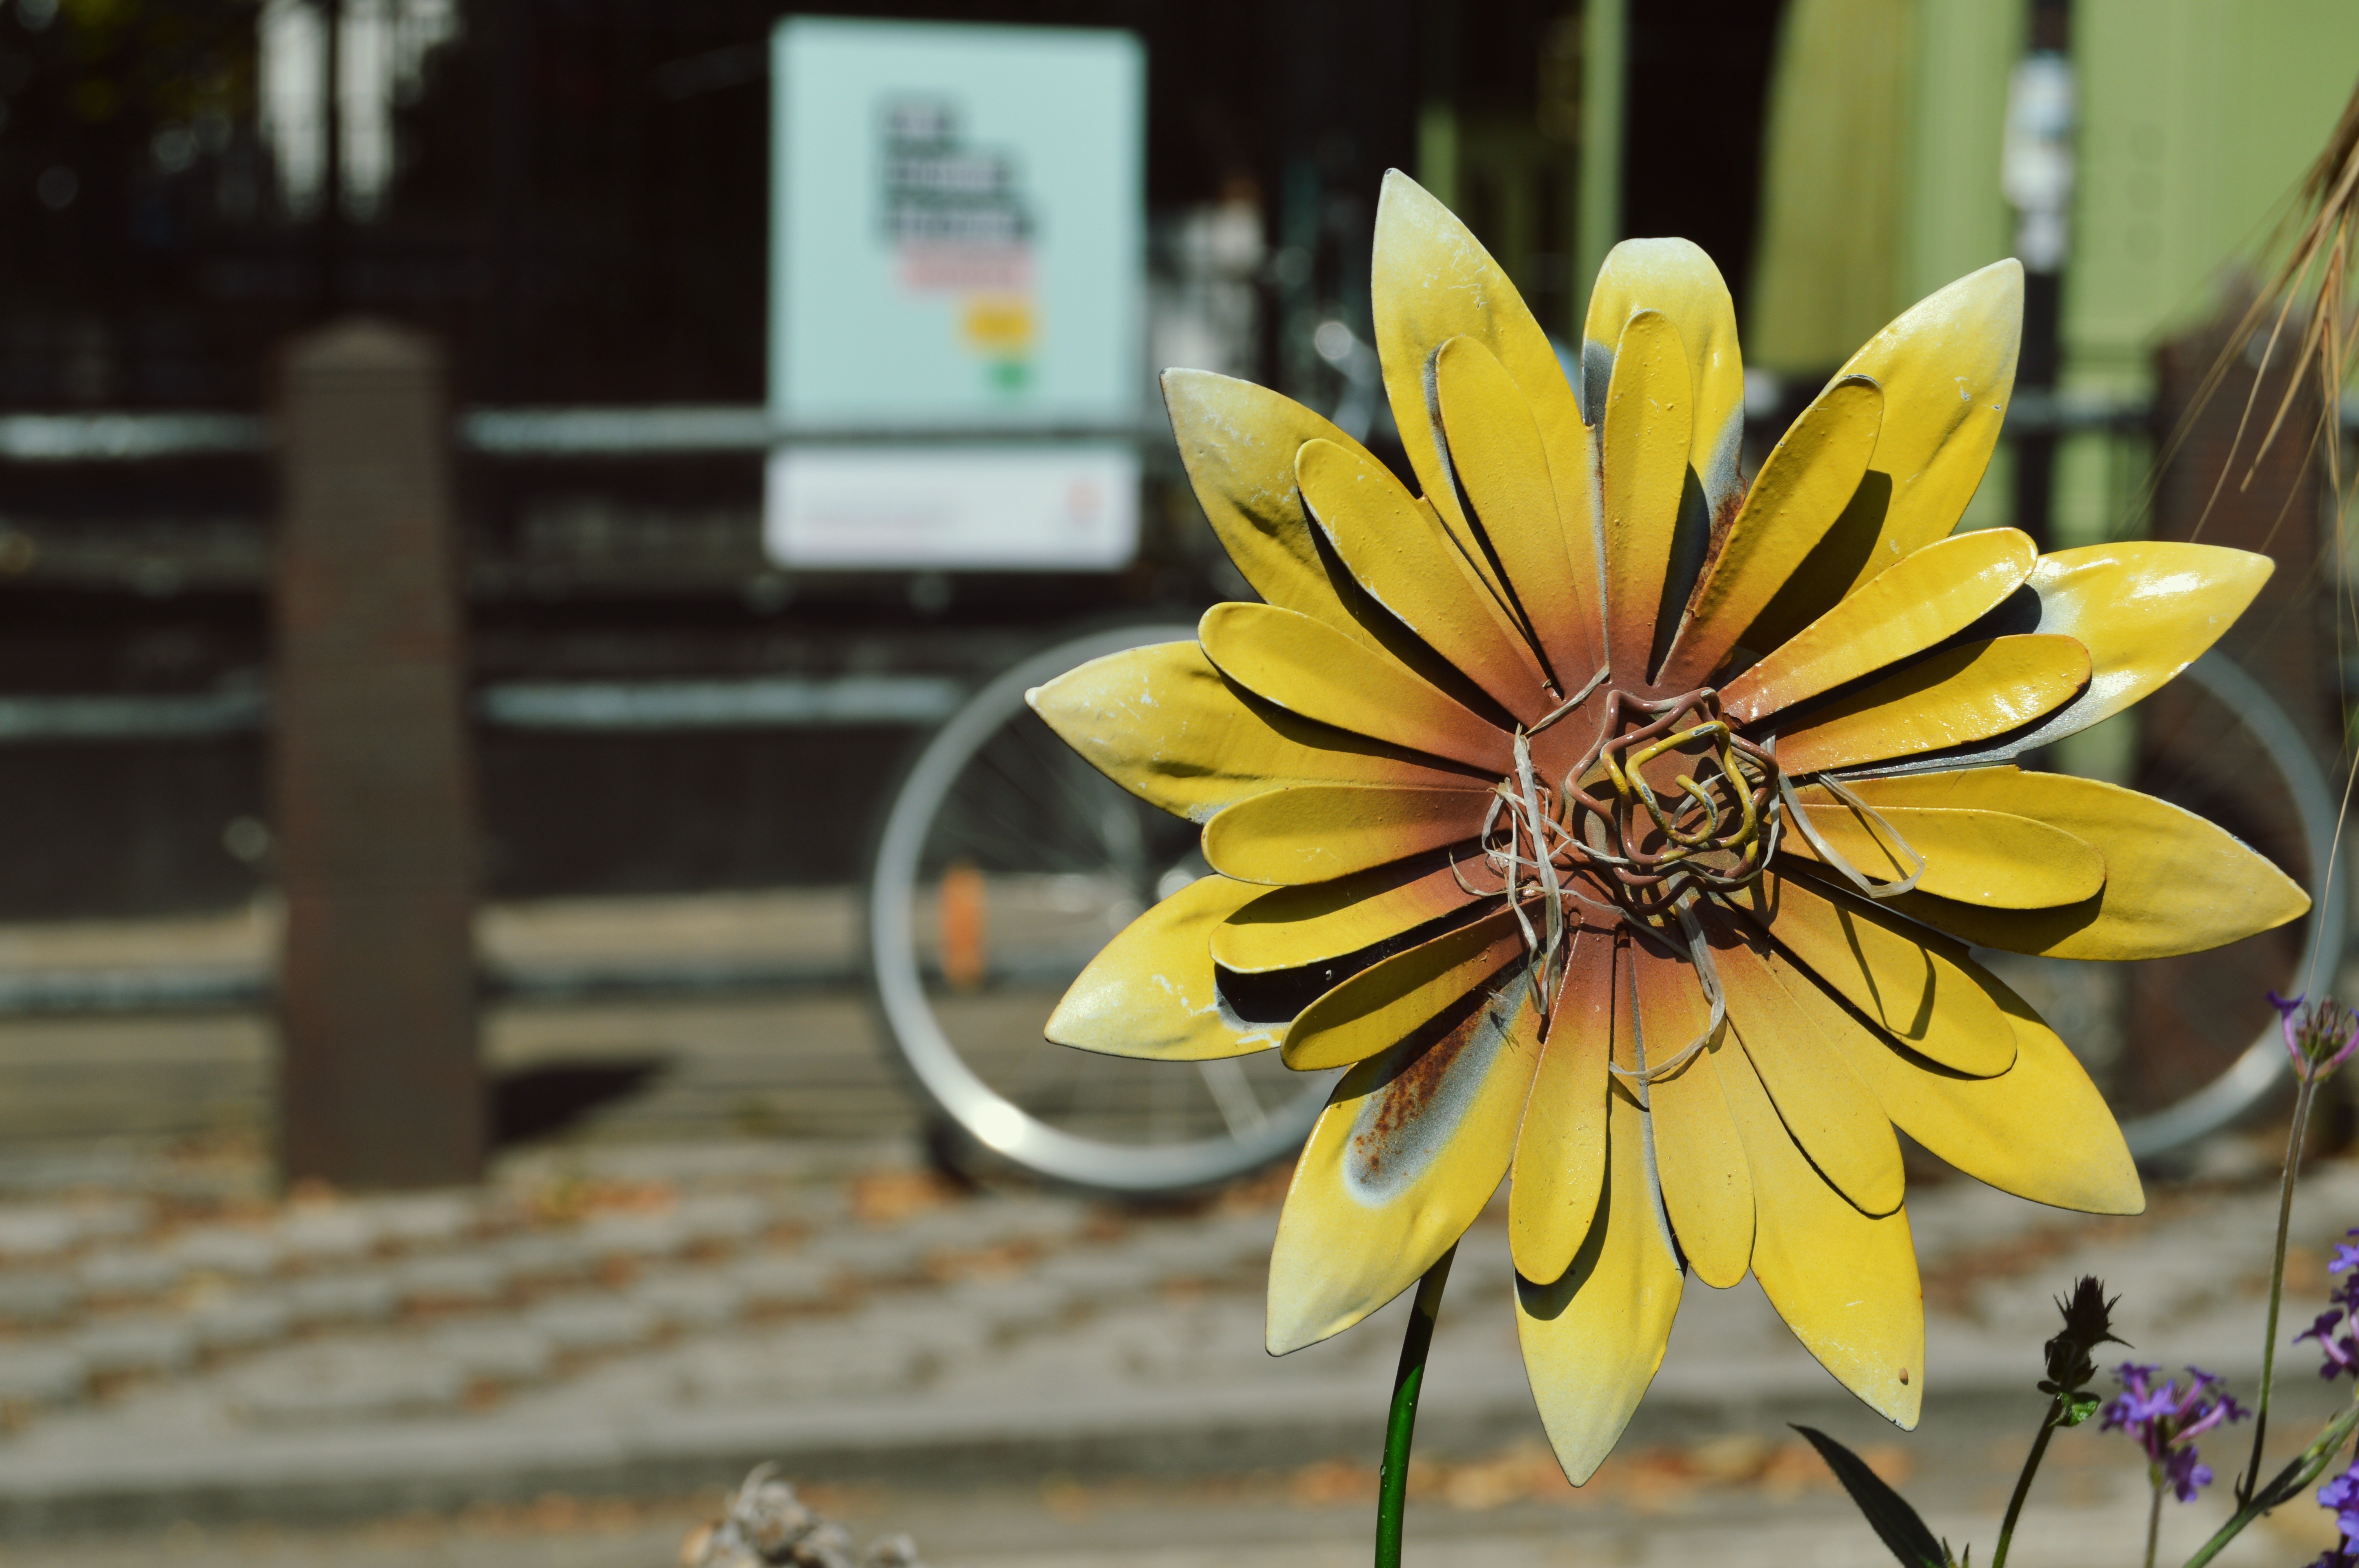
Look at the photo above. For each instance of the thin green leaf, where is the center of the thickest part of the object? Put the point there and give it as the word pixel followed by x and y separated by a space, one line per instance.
pixel 1888 1513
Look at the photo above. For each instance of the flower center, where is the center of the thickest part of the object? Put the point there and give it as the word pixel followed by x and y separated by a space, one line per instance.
pixel 1669 802
pixel 1686 803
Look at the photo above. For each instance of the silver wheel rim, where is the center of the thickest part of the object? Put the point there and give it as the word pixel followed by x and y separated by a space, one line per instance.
pixel 1008 1131
pixel 2263 1063
pixel 991 1119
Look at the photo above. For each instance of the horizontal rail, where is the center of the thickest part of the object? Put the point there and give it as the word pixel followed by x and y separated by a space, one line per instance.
pixel 658 430
pixel 615 432
pixel 2034 412
pixel 692 429
pixel 131 718
pixel 75 992
pixel 618 981
pixel 57 991
pixel 767 702
pixel 123 437
pixel 778 702
pixel 709 429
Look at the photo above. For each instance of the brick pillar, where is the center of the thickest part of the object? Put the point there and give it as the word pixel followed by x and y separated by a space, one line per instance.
pixel 371 774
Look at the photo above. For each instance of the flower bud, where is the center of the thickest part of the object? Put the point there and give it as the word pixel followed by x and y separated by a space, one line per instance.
pixel 2319 1037
pixel 2088 1323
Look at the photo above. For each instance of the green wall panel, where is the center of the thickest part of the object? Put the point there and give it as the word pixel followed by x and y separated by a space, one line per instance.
pixel 2197 117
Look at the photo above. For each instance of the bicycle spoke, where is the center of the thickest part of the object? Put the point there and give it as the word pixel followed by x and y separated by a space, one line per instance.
pixel 1233 1092
pixel 1067 858
pixel 1015 807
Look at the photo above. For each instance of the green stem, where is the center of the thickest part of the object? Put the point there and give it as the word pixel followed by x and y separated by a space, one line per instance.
pixel 1400 1427
pixel 2154 1515
pixel 2252 1476
pixel 2306 1468
pixel 2023 1482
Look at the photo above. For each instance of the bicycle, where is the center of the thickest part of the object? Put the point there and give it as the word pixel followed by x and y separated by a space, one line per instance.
pixel 1044 860
pixel 1007 861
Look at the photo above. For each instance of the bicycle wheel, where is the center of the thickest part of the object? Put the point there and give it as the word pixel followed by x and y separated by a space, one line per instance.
pixel 1007 863
pixel 2183 1046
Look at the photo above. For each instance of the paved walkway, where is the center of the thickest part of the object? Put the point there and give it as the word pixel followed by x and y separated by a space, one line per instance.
pixel 1668 1512
pixel 647 1320
pixel 798 1057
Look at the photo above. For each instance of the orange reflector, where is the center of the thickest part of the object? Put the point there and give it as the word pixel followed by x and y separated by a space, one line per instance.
pixel 964 923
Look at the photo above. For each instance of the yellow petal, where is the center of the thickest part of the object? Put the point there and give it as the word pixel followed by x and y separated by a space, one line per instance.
pixel 1397 998
pixel 1559 1164
pixel 1677 278
pixel 1432 281
pixel 1307 667
pixel 1820 1100
pixel 1981 856
pixel 1707 1190
pixel 1496 450
pixel 1950 698
pixel 1162 723
pixel 1594 1338
pixel 2039 1130
pixel 1920 987
pixel 1410 1147
pixel 1398 555
pixel 1152 991
pixel 1933 593
pixel 2145 610
pixel 2174 883
pixel 1649 409
pixel 1947 367
pixel 1803 487
pixel 1846 1284
pixel 1292 927
pixel 1238 441
pixel 1310 833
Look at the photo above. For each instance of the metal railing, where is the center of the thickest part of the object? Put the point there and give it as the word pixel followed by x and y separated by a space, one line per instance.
pixel 706 429
pixel 656 430
pixel 766 702
pixel 758 702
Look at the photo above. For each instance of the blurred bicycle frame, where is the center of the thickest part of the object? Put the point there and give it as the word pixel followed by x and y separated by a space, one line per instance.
pixel 1007 861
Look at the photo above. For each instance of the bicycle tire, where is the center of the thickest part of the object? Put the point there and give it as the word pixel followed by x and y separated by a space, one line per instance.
pixel 915 1027
pixel 2263 1064
pixel 998 1124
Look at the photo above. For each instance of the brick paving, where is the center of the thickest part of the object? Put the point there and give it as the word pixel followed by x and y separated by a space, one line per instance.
pixel 800 1062
pixel 744 1263
pixel 647 1320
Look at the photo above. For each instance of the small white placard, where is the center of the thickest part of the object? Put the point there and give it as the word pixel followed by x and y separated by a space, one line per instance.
pixel 1060 508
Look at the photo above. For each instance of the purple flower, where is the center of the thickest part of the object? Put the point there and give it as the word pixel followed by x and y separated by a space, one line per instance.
pixel 2319 1038
pixel 2165 1422
pixel 2341 1495
pixel 2342 1349
pixel 2187 1473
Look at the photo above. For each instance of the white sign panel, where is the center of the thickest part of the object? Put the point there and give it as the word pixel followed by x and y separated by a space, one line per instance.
pixel 957 224
pixel 1057 508
pixel 957 245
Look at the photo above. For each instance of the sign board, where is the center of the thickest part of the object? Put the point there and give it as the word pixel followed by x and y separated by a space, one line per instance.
pixel 1061 507
pixel 957 249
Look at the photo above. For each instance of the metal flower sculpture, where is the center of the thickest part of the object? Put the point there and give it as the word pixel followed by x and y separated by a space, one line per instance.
pixel 1622 828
